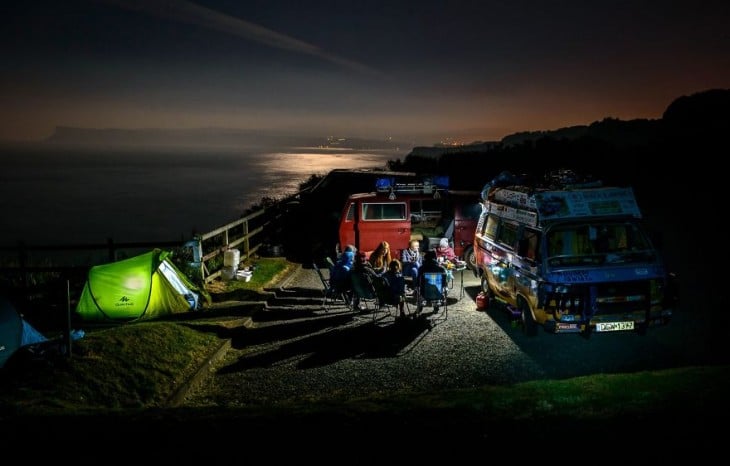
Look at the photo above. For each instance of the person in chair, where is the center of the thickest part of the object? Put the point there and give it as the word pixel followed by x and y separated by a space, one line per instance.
pixel 412 260
pixel 380 258
pixel 396 287
pixel 445 250
pixel 363 273
pixel 430 264
pixel 340 273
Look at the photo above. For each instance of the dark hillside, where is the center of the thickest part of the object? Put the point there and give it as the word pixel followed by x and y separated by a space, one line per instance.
pixel 641 153
pixel 703 112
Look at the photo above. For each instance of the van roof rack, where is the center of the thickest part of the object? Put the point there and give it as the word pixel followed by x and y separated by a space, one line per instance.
pixel 427 185
pixel 553 180
pixel 568 179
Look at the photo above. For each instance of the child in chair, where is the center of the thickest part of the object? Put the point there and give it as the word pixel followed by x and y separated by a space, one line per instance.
pixel 397 286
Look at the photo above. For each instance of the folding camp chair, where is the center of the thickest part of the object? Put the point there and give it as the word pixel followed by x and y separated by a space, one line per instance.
pixel 392 294
pixel 332 294
pixel 432 291
pixel 363 293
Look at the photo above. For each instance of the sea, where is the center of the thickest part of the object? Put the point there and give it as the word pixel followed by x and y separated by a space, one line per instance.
pixel 78 195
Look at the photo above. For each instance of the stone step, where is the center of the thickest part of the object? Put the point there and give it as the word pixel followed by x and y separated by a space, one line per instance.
pixel 280 313
pixel 297 292
pixel 295 301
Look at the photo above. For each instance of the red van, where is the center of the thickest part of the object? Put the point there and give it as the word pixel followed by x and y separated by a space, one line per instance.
pixel 467 210
pixel 399 212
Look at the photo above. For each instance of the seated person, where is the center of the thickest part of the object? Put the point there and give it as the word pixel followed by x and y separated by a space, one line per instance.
pixel 380 258
pixel 364 272
pixel 396 286
pixel 445 250
pixel 412 260
pixel 340 273
pixel 430 264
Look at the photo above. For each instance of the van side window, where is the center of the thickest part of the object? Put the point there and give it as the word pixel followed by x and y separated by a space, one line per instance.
pixel 417 213
pixel 384 211
pixel 530 240
pixel 427 211
pixel 490 231
pixel 432 207
pixel 351 212
pixel 507 235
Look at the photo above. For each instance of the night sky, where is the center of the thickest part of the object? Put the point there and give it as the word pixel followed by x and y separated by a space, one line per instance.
pixel 416 71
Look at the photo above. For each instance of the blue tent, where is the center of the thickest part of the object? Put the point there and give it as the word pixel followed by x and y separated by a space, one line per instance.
pixel 15 332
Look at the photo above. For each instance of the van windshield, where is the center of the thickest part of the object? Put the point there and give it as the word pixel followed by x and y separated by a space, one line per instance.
pixel 598 243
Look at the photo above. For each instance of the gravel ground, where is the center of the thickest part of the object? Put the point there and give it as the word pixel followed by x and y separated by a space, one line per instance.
pixel 296 351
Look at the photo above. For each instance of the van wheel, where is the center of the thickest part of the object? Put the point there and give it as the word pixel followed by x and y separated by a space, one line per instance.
pixel 470 258
pixel 485 288
pixel 529 326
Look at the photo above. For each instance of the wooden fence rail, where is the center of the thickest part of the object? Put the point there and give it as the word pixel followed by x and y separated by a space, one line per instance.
pixel 212 245
pixel 248 234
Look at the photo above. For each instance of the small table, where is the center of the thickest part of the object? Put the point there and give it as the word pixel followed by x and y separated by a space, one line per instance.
pixel 461 269
pixel 458 268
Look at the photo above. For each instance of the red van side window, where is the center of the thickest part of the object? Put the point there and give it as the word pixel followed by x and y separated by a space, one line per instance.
pixel 388 211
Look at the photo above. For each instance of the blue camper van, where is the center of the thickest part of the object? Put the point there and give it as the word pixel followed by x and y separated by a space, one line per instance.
pixel 570 257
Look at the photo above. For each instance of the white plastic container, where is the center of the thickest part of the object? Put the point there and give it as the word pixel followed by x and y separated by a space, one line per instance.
pixel 228 273
pixel 231 258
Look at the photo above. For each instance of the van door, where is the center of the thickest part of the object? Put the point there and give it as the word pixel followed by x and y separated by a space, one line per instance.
pixel 506 248
pixel 382 221
pixel 466 216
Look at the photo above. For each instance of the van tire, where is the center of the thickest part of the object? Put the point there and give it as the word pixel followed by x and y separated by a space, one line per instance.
pixel 471 258
pixel 529 326
pixel 485 287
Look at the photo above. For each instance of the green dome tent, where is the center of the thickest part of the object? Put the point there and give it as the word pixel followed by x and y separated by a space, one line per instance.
pixel 141 287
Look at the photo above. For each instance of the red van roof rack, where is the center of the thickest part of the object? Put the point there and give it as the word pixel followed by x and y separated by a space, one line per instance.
pixel 429 184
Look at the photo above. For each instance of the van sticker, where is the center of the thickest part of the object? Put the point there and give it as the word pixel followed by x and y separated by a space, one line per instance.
pixel 520 215
pixel 589 202
pixel 573 276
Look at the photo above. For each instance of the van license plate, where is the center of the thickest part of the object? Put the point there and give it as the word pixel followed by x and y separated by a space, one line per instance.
pixel 614 326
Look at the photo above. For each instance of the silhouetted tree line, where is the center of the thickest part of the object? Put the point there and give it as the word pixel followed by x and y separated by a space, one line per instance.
pixel 686 140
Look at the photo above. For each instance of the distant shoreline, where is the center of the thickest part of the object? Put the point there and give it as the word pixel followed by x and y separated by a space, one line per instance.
pixel 215 137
